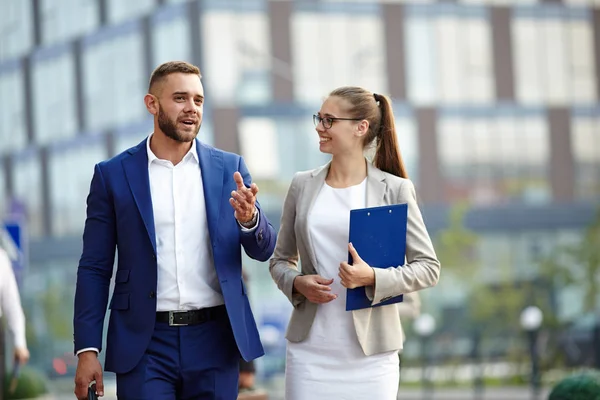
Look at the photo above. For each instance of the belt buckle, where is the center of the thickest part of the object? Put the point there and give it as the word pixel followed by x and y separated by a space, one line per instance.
pixel 171 317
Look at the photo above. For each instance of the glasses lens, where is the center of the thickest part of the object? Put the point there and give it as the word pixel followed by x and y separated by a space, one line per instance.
pixel 316 119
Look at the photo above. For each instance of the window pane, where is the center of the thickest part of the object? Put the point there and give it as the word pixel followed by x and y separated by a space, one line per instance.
pixel 406 132
pixel 495 158
pixel 586 153
pixel 119 10
pixel 553 38
pixel 239 63
pixel 114 77
pixel 527 61
pixel 554 56
pixel 422 58
pixel 16 28
pixel 64 19
pixel 71 170
pixel 258 143
pixel 28 189
pixel 165 29
pixel 583 80
pixel 347 49
pixel 13 131
pixel 54 97
pixel 131 136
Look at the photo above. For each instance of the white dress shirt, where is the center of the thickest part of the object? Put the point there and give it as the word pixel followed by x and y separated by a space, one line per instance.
pixel 10 302
pixel 187 279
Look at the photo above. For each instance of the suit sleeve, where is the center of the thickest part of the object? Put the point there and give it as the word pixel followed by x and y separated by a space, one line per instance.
pixel 284 264
pixel 259 242
pixel 422 268
pixel 95 266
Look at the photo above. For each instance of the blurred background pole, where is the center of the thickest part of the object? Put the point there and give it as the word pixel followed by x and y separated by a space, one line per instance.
pixel 477 366
pixel 531 320
pixel 424 326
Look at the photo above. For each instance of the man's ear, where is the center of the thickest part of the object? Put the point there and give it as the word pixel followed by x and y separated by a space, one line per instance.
pixel 151 104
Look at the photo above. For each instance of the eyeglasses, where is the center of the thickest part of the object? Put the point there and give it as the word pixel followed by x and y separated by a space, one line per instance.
pixel 328 121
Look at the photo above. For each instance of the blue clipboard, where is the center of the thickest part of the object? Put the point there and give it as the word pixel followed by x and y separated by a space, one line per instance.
pixel 379 236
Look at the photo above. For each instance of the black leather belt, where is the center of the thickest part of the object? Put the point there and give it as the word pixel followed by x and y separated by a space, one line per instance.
pixel 191 317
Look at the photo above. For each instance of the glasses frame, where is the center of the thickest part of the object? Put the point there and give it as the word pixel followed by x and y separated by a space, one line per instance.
pixel 318 119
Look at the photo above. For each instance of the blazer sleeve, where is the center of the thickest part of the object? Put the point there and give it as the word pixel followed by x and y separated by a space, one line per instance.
pixel 422 268
pixel 283 266
pixel 95 266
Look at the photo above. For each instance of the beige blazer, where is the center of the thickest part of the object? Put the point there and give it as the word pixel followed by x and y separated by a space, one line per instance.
pixel 378 329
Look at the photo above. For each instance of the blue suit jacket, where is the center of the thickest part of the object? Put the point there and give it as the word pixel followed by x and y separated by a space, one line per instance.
pixel 120 216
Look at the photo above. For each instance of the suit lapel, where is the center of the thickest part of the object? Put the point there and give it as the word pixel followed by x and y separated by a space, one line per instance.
pixel 136 171
pixel 211 168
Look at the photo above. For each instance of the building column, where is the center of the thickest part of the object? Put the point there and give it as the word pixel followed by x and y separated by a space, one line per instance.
pixel 430 179
pixel 226 136
pixel 282 78
pixel 502 53
pixel 562 168
pixel 395 50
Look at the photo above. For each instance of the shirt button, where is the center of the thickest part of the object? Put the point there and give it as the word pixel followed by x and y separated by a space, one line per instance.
pixel 153 256
pixel 152 294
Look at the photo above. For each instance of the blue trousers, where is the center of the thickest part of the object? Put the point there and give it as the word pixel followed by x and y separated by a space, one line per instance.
pixel 199 362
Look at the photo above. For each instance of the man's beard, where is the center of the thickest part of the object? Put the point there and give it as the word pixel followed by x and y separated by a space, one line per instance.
pixel 169 128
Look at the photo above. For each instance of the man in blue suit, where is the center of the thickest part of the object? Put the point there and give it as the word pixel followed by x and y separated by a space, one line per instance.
pixel 177 210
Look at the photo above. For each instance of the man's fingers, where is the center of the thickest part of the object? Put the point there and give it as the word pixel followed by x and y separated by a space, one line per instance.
pixel 254 189
pixel 99 384
pixel 237 177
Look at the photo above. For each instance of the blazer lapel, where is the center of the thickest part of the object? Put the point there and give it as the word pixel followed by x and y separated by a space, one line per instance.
pixel 136 171
pixel 375 186
pixel 211 168
pixel 311 190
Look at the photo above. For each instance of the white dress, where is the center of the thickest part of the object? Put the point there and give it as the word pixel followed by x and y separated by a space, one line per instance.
pixel 330 363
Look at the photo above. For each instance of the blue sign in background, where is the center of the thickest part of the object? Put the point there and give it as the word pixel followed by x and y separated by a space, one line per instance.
pixel 17 247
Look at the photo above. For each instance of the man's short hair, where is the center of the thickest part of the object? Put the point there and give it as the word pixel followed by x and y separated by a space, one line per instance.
pixel 172 67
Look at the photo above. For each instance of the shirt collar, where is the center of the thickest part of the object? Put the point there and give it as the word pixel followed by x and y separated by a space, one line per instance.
pixel 152 156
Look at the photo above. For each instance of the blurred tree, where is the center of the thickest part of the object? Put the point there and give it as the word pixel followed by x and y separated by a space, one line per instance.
pixel 55 301
pixel 578 265
pixel 456 245
pixel 493 304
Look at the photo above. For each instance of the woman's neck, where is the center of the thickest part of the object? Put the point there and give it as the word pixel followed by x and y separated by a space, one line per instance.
pixel 346 171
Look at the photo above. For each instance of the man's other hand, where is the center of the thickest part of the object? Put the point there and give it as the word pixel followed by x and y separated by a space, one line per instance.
pixel 88 370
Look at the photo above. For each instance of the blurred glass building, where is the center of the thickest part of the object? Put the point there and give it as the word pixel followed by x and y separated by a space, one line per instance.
pixel 496 103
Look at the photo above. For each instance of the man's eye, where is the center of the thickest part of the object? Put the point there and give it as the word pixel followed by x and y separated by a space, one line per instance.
pixel 327 120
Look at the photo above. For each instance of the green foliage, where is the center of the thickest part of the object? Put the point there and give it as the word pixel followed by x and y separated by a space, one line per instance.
pixel 578 265
pixel 455 245
pixel 55 300
pixel 30 384
pixel 580 386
